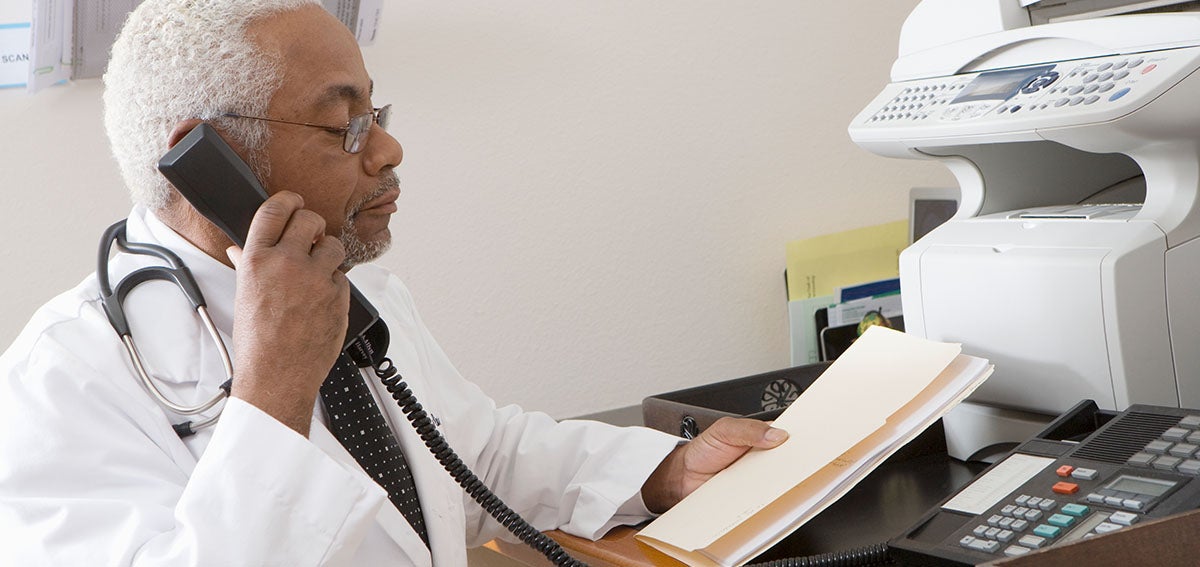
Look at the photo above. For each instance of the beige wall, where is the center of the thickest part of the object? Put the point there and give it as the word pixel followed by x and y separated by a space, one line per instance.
pixel 597 195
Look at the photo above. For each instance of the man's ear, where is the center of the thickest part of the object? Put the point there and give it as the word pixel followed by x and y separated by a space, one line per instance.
pixel 181 129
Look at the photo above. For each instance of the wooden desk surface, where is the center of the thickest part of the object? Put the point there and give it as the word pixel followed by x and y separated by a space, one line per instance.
pixel 615 549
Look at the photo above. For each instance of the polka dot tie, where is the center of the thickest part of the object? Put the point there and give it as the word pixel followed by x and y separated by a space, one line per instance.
pixel 357 423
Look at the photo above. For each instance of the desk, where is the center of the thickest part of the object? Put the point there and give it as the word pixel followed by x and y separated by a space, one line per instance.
pixel 615 549
pixel 890 500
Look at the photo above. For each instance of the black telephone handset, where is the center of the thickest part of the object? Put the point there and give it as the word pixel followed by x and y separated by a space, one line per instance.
pixel 215 180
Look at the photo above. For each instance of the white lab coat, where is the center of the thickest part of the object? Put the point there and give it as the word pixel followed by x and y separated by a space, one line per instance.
pixel 91 472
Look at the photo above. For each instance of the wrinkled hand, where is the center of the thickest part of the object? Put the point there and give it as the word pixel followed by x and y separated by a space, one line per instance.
pixel 289 311
pixel 691 464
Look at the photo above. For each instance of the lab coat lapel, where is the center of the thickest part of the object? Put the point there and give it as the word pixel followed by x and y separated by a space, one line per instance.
pixel 389 518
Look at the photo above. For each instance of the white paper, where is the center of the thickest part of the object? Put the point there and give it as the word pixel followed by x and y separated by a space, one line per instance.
pixel 370 13
pixel 14 53
pixel 361 16
pixel 15 18
pixel 803 327
pixel 96 27
pixel 999 482
pixel 50 57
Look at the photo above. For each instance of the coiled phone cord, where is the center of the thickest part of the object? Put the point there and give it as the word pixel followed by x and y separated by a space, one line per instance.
pixel 463 475
pixel 876 554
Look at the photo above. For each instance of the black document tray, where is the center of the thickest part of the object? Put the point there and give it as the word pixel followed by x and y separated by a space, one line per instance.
pixel 762 396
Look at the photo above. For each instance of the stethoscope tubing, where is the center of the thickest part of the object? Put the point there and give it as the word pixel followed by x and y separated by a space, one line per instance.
pixel 113 300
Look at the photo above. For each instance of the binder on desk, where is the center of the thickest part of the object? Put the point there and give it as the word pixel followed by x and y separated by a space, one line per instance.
pixel 883 392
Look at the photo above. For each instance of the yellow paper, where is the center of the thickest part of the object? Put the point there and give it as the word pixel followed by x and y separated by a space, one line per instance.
pixel 818 266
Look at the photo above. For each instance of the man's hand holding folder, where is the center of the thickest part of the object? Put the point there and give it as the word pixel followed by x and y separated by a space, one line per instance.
pixel 880 394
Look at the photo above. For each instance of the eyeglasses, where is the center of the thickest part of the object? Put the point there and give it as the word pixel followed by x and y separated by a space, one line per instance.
pixel 355 131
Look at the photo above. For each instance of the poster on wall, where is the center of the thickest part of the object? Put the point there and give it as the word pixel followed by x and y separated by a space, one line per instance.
pixel 14 53
pixel 71 39
pixel 14 43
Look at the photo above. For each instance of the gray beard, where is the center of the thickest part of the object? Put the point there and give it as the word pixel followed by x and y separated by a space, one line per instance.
pixel 358 251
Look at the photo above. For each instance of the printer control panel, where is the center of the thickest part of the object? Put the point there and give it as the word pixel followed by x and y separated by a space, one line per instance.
pixel 1099 88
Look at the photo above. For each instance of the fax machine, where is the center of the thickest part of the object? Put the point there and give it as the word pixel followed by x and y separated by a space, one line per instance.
pixel 1073 262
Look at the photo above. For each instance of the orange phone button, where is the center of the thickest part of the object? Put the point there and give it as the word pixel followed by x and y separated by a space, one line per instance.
pixel 1065 487
pixel 1065 470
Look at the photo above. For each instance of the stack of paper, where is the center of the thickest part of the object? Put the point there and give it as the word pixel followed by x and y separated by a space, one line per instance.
pixel 817 267
pixel 852 303
pixel 880 394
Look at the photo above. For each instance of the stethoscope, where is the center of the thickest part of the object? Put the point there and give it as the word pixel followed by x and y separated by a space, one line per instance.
pixel 113 300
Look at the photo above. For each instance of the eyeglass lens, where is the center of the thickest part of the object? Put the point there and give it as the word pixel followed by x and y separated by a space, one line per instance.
pixel 360 126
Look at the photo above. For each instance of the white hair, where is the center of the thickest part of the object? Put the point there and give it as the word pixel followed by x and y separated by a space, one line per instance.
pixel 181 59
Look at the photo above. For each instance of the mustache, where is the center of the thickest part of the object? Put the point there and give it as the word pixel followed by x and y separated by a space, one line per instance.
pixel 388 181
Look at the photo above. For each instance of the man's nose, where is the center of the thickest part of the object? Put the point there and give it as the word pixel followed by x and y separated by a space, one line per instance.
pixel 383 151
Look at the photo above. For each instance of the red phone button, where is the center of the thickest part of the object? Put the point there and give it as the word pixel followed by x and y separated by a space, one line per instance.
pixel 1065 470
pixel 1065 487
pixel 1149 68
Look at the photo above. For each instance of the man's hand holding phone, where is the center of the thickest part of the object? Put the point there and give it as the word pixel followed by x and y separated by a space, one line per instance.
pixel 289 311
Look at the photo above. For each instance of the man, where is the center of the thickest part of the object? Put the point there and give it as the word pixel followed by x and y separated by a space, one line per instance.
pixel 91 470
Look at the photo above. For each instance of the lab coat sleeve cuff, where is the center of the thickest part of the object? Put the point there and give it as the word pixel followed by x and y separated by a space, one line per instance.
pixel 636 507
pixel 277 484
pixel 645 450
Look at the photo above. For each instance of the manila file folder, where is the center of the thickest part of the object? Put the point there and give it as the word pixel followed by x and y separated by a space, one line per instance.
pixel 878 395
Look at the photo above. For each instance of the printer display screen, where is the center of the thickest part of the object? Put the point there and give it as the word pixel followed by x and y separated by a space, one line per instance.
pixel 999 85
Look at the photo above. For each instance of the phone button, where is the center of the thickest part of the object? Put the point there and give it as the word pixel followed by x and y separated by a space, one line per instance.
pixel 1065 488
pixel 1123 518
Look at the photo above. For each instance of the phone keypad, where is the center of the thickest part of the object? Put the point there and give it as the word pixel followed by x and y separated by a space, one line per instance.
pixel 1013 519
pixel 1176 450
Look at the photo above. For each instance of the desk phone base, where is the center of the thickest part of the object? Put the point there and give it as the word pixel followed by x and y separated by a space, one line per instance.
pixel 1141 463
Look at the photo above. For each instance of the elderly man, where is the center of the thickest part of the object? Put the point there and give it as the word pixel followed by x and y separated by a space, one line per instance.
pixel 92 471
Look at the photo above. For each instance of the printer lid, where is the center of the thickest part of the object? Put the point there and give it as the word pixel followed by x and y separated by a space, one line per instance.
pixel 947 37
pixel 1054 11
